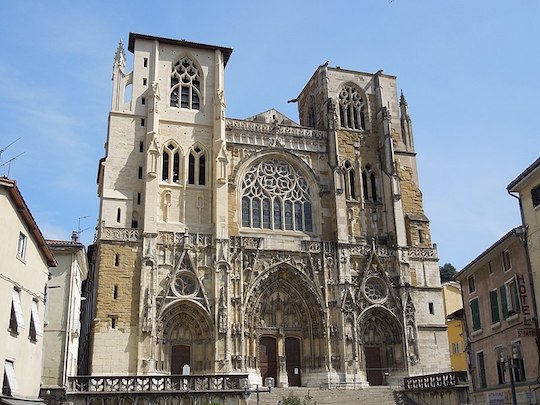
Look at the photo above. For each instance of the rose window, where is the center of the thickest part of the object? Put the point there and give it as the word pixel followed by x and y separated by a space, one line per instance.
pixel 375 289
pixel 185 284
pixel 275 195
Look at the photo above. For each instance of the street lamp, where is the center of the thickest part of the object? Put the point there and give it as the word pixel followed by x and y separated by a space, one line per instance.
pixel 510 361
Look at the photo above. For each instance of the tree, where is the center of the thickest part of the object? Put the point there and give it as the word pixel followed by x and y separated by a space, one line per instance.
pixel 448 271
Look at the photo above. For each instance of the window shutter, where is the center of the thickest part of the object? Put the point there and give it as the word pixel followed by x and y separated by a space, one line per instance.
pixel 18 309
pixel 495 318
pixel 504 302
pixel 36 319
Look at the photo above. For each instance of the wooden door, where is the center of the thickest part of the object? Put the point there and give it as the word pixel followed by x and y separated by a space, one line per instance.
pixel 181 355
pixel 292 354
pixel 373 365
pixel 268 357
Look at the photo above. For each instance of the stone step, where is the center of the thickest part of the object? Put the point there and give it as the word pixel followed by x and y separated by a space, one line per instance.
pixel 314 396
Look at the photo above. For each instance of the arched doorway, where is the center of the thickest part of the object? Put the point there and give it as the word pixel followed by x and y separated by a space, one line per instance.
pixel 284 312
pixel 186 338
pixel 381 338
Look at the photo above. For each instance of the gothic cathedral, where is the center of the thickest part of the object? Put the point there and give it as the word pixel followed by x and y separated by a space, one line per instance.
pixel 298 252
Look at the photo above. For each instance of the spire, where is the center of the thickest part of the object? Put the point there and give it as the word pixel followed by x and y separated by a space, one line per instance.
pixel 404 108
pixel 406 123
pixel 119 57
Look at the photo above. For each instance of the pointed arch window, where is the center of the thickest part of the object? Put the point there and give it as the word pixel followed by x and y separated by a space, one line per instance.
pixel 351 108
pixel 197 166
pixel 170 164
pixel 350 181
pixel 276 196
pixel 185 85
pixel 369 184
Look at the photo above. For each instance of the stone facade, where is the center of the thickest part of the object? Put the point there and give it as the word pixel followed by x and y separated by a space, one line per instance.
pixel 299 252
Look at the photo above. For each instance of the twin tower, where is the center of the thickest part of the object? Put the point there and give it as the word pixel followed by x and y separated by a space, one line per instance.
pixel 299 252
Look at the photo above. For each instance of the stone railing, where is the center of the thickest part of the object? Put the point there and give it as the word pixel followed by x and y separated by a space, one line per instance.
pixel 122 234
pixel 435 381
pixel 423 253
pixel 263 134
pixel 352 249
pixel 156 384
pixel 245 242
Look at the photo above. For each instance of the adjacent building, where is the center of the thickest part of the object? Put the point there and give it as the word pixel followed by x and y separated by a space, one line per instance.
pixel 294 251
pixel 24 268
pixel 499 309
pixel 453 311
pixel 62 315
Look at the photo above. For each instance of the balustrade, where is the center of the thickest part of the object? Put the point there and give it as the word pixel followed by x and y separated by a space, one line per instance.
pixel 435 381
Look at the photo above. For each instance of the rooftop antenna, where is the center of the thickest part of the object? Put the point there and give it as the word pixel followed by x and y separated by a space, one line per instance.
pixel 4 149
pixel 75 234
pixel 8 162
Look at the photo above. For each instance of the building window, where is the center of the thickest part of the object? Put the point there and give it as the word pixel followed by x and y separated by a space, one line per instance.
pixel 431 308
pixel 276 196
pixel 141 146
pixel 500 365
pixel 185 85
pixel 490 268
pixel 9 387
pixel 145 62
pixel 16 320
pixel 475 314
pixel 350 182
pixel 116 260
pixel 472 286
pixel 369 184
pixel 140 172
pixel 494 302
pixel 144 81
pixel 35 323
pixel 481 369
pixel 507 263
pixel 535 196
pixel 170 165
pixel 351 108
pixel 457 348
pixel 518 367
pixel 21 247
pixel 118 215
pixel 114 322
pixel 115 292
pixel 197 167
pixel 138 198
pixel 510 298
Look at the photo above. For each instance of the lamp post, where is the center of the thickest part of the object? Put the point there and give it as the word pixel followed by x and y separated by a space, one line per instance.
pixel 510 361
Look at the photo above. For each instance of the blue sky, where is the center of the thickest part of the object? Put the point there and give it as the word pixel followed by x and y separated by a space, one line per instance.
pixel 469 70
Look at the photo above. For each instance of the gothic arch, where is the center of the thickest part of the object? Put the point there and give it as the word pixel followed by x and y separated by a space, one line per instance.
pixel 186 324
pixel 302 173
pixel 187 72
pixel 282 302
pixel 352 106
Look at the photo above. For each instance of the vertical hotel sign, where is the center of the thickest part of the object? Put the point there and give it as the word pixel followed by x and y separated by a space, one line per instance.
pixel 528 324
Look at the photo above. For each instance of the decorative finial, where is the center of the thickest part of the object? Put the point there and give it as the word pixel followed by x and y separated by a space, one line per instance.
pixel 402 100
pixel 120 56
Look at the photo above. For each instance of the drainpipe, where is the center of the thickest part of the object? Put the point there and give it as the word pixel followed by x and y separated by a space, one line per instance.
pixel 523 238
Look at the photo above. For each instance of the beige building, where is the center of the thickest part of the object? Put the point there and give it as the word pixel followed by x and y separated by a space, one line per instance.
pixel 62 325
pixel 526 187
pixel 453 312
pixel 24 267
pixel 299 252
pixel 498 303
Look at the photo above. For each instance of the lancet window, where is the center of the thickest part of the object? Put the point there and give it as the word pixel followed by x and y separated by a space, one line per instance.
pixel 350 180
pixel 170 165
pixel 369 184
pixel 197 167
pixel 276 196
pixel 351 108
pixel 185 85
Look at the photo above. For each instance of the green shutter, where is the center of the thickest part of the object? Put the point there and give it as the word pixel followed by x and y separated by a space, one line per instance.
pixel 504 303
pixel 495 318
pixel 516 296
pixel 475 310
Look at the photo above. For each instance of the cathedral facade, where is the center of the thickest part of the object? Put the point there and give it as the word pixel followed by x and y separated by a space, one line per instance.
pixel 298 252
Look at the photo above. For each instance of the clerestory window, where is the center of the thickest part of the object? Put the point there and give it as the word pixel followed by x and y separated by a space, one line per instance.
pixel 351 108
pixel 350 183
pixel 276 196
pixel 185 85
pixel 170 164
pixel 197 167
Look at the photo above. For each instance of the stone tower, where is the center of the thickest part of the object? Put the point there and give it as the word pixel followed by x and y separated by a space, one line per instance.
pixel 261 246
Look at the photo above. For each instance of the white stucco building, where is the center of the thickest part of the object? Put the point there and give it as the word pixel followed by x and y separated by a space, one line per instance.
pixel 24 266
